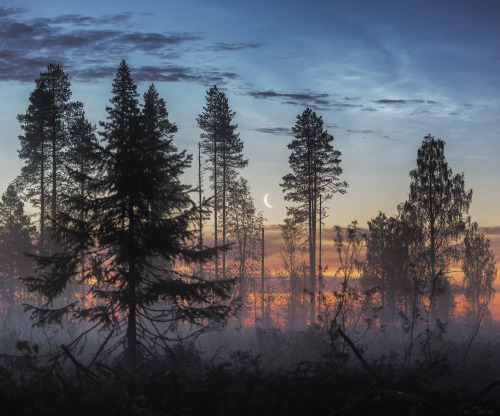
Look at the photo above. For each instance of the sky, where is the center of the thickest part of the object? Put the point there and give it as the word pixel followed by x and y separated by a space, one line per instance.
pixel 381 74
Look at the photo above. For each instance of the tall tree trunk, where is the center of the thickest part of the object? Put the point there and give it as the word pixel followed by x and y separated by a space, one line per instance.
pixel 224 183
pixel 200 191
pixel 42 202
pixel 54 165
pixel 262 281
pixel 320 270
pixel 131 354
pixel 215 208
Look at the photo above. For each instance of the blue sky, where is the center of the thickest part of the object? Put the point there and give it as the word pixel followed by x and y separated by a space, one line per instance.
pixel 382 74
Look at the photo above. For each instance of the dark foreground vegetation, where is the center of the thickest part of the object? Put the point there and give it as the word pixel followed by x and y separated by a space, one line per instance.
pixel 186 381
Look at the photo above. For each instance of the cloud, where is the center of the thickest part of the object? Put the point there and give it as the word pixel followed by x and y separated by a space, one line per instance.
pixel 167 73
pixel 88 48
pixel 404 102
pixel 292 97
pixel 314 100
pixel 360 131
pixel 277 131
pixel 304 99
pixel 78 19
pixel 9 11
pixel 222 46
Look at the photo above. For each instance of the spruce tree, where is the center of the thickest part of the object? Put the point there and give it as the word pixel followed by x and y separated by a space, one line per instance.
pixel 136 232
pixel 315 174
pixel 81 154
pixel 223 148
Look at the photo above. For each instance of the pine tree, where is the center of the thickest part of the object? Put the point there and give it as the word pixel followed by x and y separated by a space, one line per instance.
pixel 42 145
pixel 137 229
pixel 315 171
pixel 16 239
pixel 58 94
pixel 223 147
pixel 34 152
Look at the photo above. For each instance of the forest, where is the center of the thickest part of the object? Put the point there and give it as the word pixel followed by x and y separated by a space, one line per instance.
pixel 124 290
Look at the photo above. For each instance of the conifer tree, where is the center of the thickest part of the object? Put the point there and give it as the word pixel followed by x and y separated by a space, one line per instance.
pixel 315 174
pixel 223 148
pixel 34 151
pixel 81 154
pixel 136 231
pixel 16 238
pixel 44 141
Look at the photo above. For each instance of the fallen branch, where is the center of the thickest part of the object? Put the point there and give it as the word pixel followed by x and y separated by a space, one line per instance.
pixel 79 366
pixel 357 353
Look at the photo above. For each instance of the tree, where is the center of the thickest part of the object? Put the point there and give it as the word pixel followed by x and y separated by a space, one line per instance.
pixel 315 171
pixel 244 227
pixel 44 141
pixel 156 122
pixel 387 262
pixel 136 232
pixel 480 273
pixel 34 152
pixel 81 154
pixel 348 246
pixel 16 239
pixel 437 206
pixel 223 147
pixel 291 254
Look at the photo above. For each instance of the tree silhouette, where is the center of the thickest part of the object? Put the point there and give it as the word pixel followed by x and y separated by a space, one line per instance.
pixel 34 151
pixel 387 263
pixel 136 231
pixel 244 227
pixel 45 137
pixel 16 238
pixel 223 148
pixel 480 273
pixel 315 171
pixel 292 250
pixel 437 206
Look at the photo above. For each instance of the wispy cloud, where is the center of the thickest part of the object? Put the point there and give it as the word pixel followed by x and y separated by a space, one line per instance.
pixel 277 131
pixel 310 99
pixel 360 131
pixel 305 97
pixel 222 46
pixel 404 102
pixel 9 11
pixel 85 46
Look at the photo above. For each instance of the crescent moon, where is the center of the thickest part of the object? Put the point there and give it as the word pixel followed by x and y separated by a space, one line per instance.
pixel 267 203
